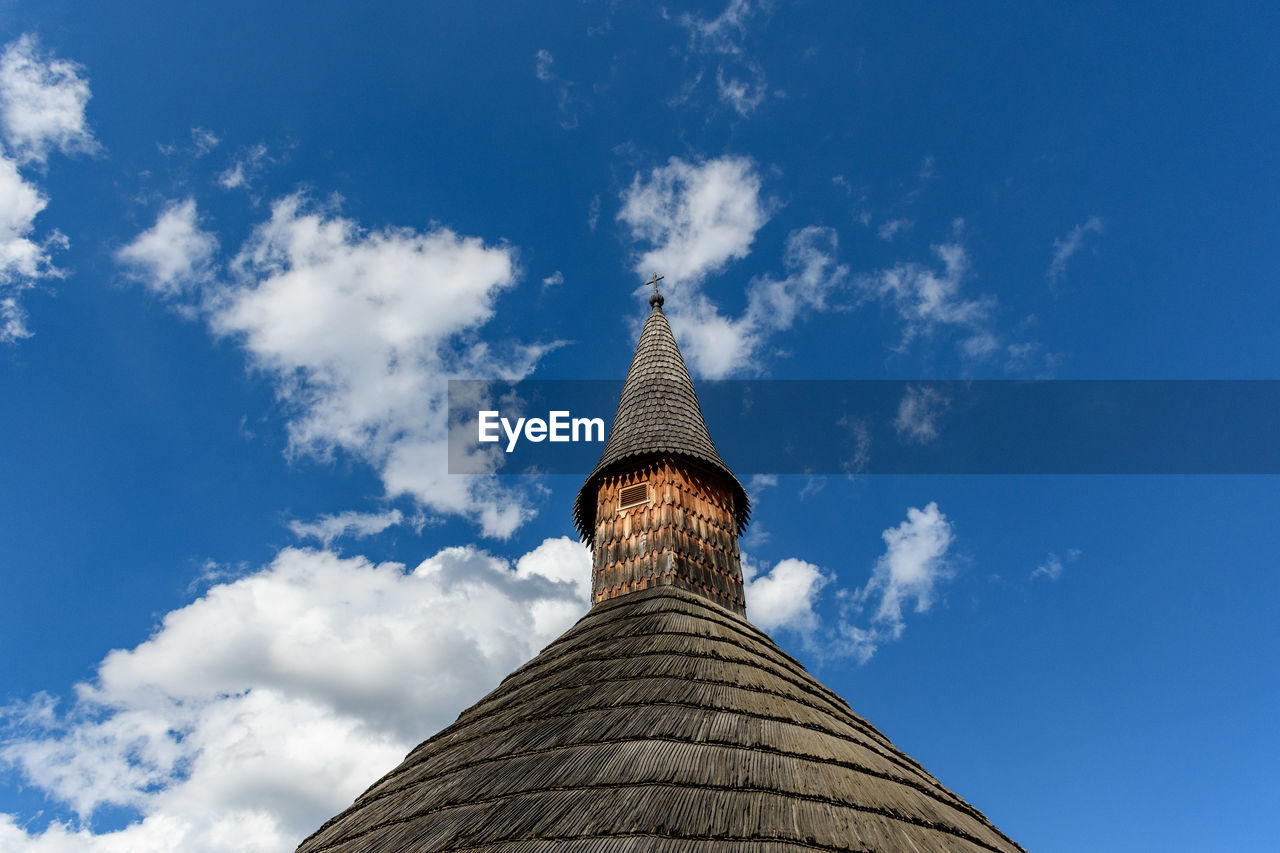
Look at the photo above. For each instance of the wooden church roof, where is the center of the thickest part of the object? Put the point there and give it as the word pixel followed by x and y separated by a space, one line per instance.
pixel 662 722
pixel 658 416
pixel 665 723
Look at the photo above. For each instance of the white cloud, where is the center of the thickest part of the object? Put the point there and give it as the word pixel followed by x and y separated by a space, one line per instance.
pixel 243 169
pixel 743 95
pixel 697 216
pixel 265 706
pixel 359 332
pixel 914 562
pixel 552 280
pixel 813 275
pixel 543 69
pixel 927 299
pixel 919 412
pixel 1053 565
pixel 740 80
pixel 784 596
pixel 174 255
pixel 890 229
pixel 907 575
pixel 203 140
pixel 1065 247
pixel 725 32
pixel 716 345
pixel 22 259
pixel 42 102
pixel 543 60
pixel 355 524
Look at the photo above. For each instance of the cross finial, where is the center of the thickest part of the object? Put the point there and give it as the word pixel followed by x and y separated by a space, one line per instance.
pixel 656 300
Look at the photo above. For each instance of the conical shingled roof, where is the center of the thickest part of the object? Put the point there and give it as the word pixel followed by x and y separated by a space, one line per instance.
pixel 658 415
pixel 663 723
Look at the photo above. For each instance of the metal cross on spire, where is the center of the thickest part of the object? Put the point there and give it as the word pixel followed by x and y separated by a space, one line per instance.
pixel 656 300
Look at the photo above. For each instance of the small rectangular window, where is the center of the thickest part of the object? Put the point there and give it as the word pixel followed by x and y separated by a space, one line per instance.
pixel 632 495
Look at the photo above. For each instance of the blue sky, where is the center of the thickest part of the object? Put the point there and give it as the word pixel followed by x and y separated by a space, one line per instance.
pixel 244 246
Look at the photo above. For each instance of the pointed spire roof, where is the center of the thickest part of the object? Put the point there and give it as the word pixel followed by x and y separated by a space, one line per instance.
pixel 658 416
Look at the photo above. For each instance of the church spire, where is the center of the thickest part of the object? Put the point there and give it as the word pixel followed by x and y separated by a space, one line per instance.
pixel 661 507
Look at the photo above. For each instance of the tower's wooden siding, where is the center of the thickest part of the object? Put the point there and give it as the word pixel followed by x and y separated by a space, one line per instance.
pixel 685 536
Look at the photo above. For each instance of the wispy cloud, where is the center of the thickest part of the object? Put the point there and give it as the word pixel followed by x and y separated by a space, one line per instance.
pixel 204 140
pixel 356 525
pixel 1064 248
pixel 244 168
pixel 920 414
pixel 566 101
pixel 927 299
pixel 1053 565
pixel 740 80
pixel 744 93
pixel 890 229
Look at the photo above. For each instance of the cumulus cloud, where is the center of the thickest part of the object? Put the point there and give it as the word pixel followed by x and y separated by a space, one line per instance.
pixel 359 332
pixel 266 705
pixel 174 255
pixel 697 216
pixel 1065 247
pixel 42 101
pixel 354 524
pixel 784 596
pixel 23 260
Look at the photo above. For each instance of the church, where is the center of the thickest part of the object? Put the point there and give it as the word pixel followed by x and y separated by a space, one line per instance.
pixel 662 721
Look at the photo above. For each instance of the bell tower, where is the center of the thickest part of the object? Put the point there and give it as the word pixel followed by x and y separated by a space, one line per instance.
pixel 661 507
